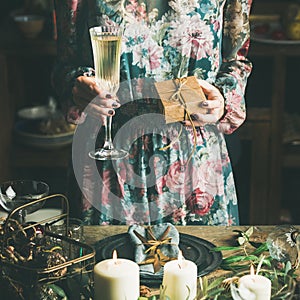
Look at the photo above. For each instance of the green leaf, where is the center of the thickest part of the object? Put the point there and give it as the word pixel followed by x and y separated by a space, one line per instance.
pixel 241 240
pixel 245 236
pixel 236 230
pixel 249 231
pixel 236 267
pixel 58 290
pixel 225 248
pixel 288 267
pixel 216 292
pixel 267 262
pixel 238 258
pixel 262 248
pixel 255 244
pixel 203 282
pixel 215 283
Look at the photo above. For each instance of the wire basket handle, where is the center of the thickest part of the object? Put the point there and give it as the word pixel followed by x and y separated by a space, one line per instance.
pixel 51 220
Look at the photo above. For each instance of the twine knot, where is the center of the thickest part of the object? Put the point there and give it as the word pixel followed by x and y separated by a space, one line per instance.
pixel 179 84
pixel 154 253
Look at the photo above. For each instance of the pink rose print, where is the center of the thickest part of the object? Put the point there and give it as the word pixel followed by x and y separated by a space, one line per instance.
pixel 233 98
pixel 175 178
pixel 194 36
pixel 136 213
pixel 200 47
pixel 118 191
pixel 160 183
pixel 137 10
pixel 155 54
pixel 235 112
pixel 132 7
pixel 74 5
pixel 181 178
pixel 179 214
pixel 200 202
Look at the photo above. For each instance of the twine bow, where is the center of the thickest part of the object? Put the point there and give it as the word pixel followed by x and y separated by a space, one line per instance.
pixel 154 253
pixel 179 84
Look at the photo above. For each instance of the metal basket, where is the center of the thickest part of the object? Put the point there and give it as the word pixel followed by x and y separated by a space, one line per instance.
pixel 75 260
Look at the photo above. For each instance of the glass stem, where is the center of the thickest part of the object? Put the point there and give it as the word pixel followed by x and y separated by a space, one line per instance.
pixel 22 215
pixel 108 145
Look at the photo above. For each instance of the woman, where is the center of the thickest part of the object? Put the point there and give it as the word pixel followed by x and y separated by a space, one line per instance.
pixel 178 172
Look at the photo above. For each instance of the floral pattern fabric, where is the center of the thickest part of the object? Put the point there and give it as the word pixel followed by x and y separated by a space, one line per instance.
pixel 185 181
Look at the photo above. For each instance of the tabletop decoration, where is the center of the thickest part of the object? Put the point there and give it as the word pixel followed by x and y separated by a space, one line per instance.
pixel 116 279
pixel 249 253
pixel 258 253
pixel 251 286
pixel 284 244
pixel 154 246
pixel 279 248
pixel 36 263
pixel 129 246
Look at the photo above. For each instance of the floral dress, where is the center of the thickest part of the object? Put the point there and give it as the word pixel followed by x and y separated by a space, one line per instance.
pixel 173 173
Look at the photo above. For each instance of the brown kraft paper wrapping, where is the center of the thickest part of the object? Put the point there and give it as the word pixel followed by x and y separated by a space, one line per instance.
pixel 180 97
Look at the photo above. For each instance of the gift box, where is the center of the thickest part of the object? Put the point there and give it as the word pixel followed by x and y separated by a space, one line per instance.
pixel 179 98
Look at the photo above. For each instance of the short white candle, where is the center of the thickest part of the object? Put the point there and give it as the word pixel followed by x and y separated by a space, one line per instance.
pixel 180 279
pixel 116 279
pixel 258 285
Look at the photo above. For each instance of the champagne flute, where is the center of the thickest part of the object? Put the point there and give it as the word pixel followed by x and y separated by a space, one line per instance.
pixel 106 45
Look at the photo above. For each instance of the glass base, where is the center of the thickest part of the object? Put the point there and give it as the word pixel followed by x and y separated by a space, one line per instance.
pixel 111 154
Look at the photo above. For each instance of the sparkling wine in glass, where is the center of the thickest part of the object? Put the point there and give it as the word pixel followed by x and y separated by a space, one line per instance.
pixel 106 45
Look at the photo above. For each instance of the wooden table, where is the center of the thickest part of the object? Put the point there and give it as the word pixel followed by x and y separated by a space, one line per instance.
pixel 218 235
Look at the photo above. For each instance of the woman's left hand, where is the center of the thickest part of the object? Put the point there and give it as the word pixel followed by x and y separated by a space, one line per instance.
pixel 214 106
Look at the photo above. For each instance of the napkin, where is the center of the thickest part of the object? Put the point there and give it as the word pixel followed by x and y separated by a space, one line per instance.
pixel 154 246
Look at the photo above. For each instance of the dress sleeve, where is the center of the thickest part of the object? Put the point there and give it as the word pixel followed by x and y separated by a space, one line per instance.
pixel 72 53
pixel 235 68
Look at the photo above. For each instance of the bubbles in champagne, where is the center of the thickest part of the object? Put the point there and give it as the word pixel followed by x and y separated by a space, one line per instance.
pixel 107 51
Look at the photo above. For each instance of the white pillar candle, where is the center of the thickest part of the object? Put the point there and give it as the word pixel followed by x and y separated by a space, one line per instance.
pixel 257 285
pixel 116 279
pixel 180 279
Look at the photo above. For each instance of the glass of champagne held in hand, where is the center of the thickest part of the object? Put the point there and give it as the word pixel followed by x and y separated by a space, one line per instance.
pixel 106 44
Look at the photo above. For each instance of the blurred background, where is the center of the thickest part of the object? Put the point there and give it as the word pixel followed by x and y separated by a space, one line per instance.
pixel 265 151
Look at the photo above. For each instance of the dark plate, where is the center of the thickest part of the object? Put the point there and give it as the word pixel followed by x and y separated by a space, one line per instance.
pixel 193 248
pixel 25 133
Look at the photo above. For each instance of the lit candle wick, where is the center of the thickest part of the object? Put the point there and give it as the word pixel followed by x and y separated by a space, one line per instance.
pixel 115 257
pixel 252 271
pixel 180 259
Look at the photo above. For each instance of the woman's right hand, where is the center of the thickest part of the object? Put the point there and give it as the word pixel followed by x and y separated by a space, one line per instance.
pixel 94 101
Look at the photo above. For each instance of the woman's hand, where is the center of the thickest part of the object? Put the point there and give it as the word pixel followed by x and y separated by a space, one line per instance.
pixel 214 106
pixel 94 101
